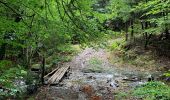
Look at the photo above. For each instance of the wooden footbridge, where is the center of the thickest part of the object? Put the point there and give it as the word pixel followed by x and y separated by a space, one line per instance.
pixel 55 76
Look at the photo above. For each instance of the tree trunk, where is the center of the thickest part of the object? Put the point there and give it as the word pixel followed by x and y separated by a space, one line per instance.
pixel 132 30
pixel 43 70
pixel 2 51
pixel 142 25
pixel 126 35
pixel 28 57
pixel 146 35
pixel 146 40
pixel 167 34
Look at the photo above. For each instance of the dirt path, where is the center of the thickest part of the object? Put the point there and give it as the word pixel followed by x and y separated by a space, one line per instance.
pixel 93 77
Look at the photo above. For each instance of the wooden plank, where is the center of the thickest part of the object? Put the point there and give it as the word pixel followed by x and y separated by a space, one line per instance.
pixel 62 74
pixel 52 72
pixel 57 76
pixel 53 77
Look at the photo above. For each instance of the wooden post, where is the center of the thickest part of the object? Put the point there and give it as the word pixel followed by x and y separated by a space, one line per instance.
pixel 43 70
pixel 2 51
pixel 132 30
pixel 126 35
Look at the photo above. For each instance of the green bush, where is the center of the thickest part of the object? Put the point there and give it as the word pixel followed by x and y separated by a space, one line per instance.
pixel 153 91
pixel 62 53
pixel 5 65
pixel 117 44
pixel 7 82
pixel 167 74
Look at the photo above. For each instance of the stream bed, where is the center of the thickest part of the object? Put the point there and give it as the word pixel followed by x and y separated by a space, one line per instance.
pixel 91 85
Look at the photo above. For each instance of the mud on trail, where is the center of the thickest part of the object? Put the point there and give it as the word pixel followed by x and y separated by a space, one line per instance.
pixel 93 77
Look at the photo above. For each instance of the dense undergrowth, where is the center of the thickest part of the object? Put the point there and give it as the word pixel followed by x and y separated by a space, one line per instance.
pixel 124 54
pixel 14 78
pixel 134 53
pixel 153 91
pixel 9 74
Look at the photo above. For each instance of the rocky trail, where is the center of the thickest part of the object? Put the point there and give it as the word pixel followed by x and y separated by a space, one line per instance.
pixel 93 77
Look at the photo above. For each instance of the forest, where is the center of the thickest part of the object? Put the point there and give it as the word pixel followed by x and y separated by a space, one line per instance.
pixel 84 49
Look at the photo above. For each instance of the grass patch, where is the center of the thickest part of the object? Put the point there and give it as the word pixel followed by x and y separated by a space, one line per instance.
pixel 121 96
pixel 136 57
pixel 145 60
pixel 94 65
pixel 152 91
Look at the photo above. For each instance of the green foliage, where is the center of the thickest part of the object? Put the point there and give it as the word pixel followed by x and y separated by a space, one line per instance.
pixel 117 44
pixel 152 11
pixel 60 54
pixel 153 91
pixel 114 9
pixel 121 96
pixel 60 58
pixel 65 49
pixel 42 26
pixel 10 89
pixel 167 74
pixel 8 74
pixel 121 8
pixel 5 65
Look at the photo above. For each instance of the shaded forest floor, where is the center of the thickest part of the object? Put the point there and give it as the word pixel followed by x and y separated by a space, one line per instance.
pixel 101 74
